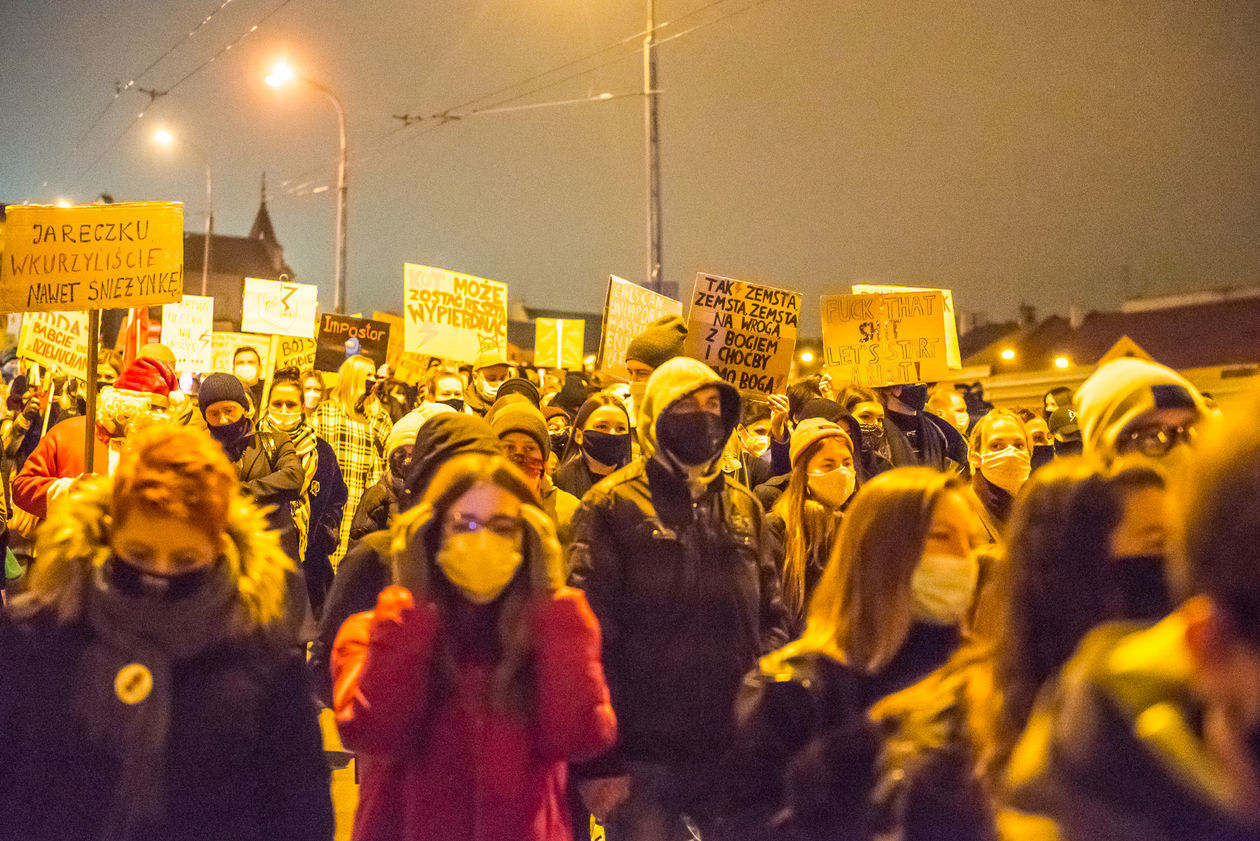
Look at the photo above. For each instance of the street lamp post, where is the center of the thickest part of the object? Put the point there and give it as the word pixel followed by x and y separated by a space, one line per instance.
pixel 282 74
pixel 651 151
pixel 166 139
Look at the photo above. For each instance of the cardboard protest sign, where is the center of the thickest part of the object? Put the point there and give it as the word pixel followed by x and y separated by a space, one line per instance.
pixel 224 347
pixel 885 339
pixel 397 338
pixel 186 328
pixel 451 315
pixel 628 309
pixel 412 367
pixel 279 307
pixel 953 356
pixel 56 340
pixel 292 352
pixel 558 343
pixel 92 256
pixel 341 336
pixel 744 332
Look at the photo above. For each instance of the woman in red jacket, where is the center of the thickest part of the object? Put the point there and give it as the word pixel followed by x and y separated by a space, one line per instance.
pixel 477 677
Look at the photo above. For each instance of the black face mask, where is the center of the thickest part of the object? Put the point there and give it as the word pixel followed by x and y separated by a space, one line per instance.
pixel 231 434
pixel 1068 448
pixel 133 581
pixel 559 440
pixel 456 403
pixel 914 396
pixel 1140 586
pixel 694 438
pixel 607 447
pixel 1042 455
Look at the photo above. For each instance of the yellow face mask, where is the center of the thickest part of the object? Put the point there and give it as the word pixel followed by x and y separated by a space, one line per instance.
pixel 480 563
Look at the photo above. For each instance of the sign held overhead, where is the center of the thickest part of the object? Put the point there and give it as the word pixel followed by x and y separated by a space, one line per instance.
pixel 628 310
pixel 456 316
pixel 341 337
pixel 885 339
pixel 92 256
pixel 186 328
pixel 279 307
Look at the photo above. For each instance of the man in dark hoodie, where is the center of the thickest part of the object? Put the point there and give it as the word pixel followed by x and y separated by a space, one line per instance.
pixel 918 437
pixel 364 571
pixel 672 560
pixel 1153 734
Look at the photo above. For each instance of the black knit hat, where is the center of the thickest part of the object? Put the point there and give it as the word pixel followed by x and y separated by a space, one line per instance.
pixel 219 387
pixel 659 343
pixel 573 395
pixel 522 386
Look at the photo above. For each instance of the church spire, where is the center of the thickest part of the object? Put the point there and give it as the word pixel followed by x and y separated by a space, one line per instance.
pixel 262 228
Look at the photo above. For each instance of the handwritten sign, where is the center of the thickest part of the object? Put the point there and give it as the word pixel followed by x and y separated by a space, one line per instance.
pixel 451 315
pixel 397 331
pixel 953 356
pixel 56 340
pixel 746 333
pixel 558 343
pixel 413 367
pixel 186 328
pixel 92 256
pixel 628 309
pixel 342 336
pixel 223 348
pixel 885 339
pixel 293 352
pixel 279 307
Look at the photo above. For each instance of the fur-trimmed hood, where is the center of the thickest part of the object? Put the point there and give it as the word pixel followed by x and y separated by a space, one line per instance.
pixel 74 542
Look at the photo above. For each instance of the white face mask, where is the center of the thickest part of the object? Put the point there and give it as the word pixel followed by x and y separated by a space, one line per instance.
pixel 247 374
pixel 942 588
pixel 480 563
pixel 286 420
pixel 962 420
pixel 311 397
pixel 487 390
pixel 834 487
pixel 1007 469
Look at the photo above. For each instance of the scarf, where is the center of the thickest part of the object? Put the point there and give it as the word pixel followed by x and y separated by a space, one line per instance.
pixel 303 438
pixel 124 690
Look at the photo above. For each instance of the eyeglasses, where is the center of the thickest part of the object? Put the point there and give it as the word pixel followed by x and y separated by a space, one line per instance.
pixel 1156 440
pixel 500 524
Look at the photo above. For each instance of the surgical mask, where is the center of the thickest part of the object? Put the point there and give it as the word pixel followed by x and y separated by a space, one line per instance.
pixel 480 563
pixel 962 420
pixel 1139 585
pixel 942 588
pixel 834 487
pixel 131 580
pixel 1007 468
pixel 488 391
pixel 693 438
pixel 755 445
pixel 311 397
pixel 607 447
pixel 456 403
pixel 246 373
pixel 287 421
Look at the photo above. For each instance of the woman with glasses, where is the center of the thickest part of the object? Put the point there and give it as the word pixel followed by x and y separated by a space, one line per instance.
pixel 477 677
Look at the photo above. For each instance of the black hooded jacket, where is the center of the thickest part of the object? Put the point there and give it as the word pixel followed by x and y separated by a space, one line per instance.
pixel 686 596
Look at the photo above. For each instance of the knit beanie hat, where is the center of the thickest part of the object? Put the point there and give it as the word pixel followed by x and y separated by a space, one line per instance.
pixel 659 343
pixel 1123 390
pixel 812 430
pixel 404 431
pixel 521 417
pixel 572 395
pixel 219 387
pixel 147 376
pixel 521 386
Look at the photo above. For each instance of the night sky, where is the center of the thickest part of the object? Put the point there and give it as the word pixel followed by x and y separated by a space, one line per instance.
pixel 1050 152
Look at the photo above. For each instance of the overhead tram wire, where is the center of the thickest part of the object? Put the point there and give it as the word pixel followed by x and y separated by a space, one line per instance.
pixel 180 81
pixel 371 149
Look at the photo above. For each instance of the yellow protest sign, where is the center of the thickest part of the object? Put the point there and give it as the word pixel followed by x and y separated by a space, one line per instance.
pixel 56 340
pixel 558 343
pixel 454 316
pixel 293 352
pixel 412 367
pixel 397 333
pixel 92 256
pixel 885 339
pixel 745 332
pixel 226 347
pixel 186 328
pixel 953 357
pixel 628 310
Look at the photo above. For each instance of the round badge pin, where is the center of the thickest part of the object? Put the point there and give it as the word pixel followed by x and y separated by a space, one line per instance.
pixel 133 683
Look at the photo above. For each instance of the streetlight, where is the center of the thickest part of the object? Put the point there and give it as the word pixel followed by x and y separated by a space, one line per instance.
pixel 165 138
pixel 282 74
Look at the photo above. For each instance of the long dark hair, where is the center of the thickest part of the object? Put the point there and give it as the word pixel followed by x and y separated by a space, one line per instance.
pixel 573 450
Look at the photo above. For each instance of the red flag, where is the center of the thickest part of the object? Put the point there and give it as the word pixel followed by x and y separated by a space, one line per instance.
pixel 137 335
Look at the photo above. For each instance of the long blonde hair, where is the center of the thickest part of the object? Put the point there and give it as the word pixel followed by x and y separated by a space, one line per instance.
pixel 860 612
pixel 352 380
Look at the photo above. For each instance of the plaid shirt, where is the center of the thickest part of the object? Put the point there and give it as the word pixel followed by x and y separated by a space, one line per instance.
pixel 360 450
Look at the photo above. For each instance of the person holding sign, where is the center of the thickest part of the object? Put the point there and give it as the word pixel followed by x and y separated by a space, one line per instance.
pixel 670 557
pixel 144 692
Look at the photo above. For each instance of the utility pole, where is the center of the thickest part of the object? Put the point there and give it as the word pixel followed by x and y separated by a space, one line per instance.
pixel 652 153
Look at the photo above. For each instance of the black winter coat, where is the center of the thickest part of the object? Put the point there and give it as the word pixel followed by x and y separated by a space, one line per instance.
pixel 244 760
pixel 377 507
pixel 687 600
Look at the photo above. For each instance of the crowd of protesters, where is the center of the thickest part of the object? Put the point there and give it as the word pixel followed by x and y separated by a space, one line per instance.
pixel 643 608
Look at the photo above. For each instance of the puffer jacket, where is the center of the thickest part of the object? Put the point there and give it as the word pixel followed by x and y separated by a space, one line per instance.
pixel 244 759
pixel 451 764
pixel 686 596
